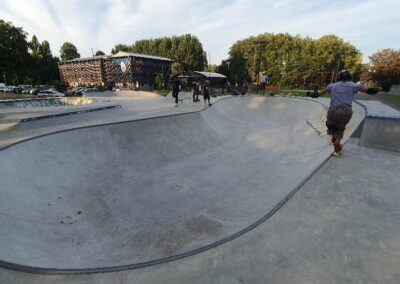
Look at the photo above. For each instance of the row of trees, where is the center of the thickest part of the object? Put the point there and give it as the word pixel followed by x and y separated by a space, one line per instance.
pixel 22 61
pixel 26 61
pixel 290 60
pixel 186 50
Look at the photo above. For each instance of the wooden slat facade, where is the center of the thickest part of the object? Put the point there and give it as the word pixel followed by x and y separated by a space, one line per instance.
pixel 113 70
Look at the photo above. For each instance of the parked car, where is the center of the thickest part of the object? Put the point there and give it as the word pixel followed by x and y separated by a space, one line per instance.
pixel 26 91
pixel 118 89
pixel 10 89
pixel 16 90
pixel 34 91
pixel 91 89
pixel 50 93
pixel 4 88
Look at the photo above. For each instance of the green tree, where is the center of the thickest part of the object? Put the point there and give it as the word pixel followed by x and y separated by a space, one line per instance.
pixel 34 46
pixel 384 67
pixel 211 68
pixel 43 66
pixel 186 50
pixel 68 51
pixel 99 53
pixel 25 62
pixel 48 64
pixel 14 56
pixel 176 68
pixel 121 47
pixel 292 60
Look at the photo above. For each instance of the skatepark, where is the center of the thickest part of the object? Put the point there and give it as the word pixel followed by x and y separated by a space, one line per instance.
pixel 135 189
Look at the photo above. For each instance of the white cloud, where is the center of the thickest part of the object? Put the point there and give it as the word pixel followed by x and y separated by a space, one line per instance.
pixel 100 24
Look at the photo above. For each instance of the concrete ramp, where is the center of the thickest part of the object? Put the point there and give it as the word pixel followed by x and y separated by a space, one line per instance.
pixel 139 193
pixel 381 128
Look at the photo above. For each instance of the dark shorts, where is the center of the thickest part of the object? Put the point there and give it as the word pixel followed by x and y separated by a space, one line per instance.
pixel 337 119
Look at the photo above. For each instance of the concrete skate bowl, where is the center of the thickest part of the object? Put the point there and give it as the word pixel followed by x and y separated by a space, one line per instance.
pixel 139 193
pixel 44 102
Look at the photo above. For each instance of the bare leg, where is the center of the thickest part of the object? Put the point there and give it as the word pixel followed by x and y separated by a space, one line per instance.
pixel 336 146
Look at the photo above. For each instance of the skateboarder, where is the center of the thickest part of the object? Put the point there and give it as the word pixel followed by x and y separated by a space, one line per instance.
pixel 206 92
pixel 175 91
pixel 196 91
pixel 340 111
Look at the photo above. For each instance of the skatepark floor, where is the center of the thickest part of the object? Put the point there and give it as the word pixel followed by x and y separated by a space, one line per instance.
pixel 341 226
pixel 335 230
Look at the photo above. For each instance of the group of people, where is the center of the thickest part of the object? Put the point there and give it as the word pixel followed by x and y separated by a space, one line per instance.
pixel 197 90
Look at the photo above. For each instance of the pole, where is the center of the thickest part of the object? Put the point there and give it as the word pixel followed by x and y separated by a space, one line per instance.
pixel 260 43
pixel 209 72
pixel 337 70
pixel 4 76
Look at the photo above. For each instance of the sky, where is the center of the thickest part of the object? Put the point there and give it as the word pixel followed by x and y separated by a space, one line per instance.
pixel 370 25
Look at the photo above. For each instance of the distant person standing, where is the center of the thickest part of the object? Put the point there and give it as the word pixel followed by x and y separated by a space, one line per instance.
pixel 206 92
pixel 264 81
pixel 196 91
pixel 175 91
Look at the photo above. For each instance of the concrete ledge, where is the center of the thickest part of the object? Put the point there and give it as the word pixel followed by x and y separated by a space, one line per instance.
pixel 45 102
pixel 68 113
pixel 376 109
pixel 381 128
pixel 4 127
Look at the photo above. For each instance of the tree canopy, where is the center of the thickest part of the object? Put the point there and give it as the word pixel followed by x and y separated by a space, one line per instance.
pixel 99 53
pixel 186 50
pixel 384 67
pixel 68 51
pixel 290 60
pixel 14 56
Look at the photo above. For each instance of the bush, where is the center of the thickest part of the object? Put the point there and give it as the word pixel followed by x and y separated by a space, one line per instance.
pixel 60 87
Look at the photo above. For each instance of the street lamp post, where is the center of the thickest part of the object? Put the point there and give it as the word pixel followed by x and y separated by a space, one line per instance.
pixel 261 44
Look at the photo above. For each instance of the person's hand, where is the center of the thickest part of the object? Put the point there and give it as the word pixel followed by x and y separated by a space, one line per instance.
pixel 373 91
pixel 315 94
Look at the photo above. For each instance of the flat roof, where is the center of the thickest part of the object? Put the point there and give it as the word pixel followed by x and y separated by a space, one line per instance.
pixel 211 74
pixel 119 54
pixel 124 54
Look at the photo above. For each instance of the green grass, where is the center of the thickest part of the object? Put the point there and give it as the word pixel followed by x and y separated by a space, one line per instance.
pixel 297 93
pixel 390 96
pixel 302 93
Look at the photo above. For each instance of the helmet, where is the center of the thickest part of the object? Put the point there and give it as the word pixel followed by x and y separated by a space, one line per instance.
pixel 344 75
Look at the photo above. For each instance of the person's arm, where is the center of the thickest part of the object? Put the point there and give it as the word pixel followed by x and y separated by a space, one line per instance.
pixel 323 92
pixel 370 91
pixel 317 94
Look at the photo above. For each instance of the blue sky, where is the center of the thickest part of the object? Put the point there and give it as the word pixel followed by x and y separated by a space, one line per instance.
pixel 370 25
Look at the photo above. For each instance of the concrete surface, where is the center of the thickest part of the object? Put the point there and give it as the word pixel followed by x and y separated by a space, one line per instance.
pixel 45 102
pixel 381 128
pixel 381 133
pixel 105 196
pixel 135 105
pixel 394 103
pixel 340 227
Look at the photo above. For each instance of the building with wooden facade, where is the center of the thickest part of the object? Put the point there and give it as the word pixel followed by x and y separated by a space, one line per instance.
pixel 121 69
